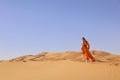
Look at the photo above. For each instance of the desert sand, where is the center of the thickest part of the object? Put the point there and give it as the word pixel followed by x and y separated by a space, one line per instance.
pixel 67 65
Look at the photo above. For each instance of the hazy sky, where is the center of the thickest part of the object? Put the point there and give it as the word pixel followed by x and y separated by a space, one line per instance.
pixel 32 26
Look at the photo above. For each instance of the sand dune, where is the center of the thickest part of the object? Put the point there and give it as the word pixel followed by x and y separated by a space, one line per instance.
pixel 61 66
pixel 100 56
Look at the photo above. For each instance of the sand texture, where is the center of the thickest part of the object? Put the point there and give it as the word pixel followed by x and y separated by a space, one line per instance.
pixel 67 65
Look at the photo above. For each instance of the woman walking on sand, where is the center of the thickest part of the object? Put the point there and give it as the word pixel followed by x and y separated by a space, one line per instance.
pixel 85 50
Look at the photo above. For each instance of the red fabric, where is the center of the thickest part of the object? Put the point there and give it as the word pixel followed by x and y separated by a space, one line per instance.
pixel 85 51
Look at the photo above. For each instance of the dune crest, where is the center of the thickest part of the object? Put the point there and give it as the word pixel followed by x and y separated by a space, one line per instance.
pixel 100 56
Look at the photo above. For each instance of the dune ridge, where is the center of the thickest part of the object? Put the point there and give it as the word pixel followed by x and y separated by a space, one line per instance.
pixel 100 56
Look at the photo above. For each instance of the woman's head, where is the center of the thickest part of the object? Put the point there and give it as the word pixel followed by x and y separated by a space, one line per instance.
pixel 83 38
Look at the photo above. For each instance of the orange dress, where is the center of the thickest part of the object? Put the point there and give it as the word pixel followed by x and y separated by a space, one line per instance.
pixel 85 51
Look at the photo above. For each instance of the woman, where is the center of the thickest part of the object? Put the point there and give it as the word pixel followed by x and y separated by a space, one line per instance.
pixel 85 50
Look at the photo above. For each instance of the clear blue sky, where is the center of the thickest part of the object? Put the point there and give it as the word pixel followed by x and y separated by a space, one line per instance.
pixel 32 26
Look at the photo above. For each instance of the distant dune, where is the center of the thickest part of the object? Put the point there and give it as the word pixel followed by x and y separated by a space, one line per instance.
pixel 67 65
pixel 100 56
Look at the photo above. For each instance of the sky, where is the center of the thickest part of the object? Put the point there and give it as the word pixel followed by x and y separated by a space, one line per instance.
pixel 33 26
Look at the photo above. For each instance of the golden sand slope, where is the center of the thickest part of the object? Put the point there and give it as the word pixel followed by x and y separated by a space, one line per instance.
pixel 61 66
pixel 58 70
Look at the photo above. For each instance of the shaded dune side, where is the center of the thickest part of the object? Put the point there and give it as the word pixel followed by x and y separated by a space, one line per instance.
pixel 105 56
pixel 100 56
